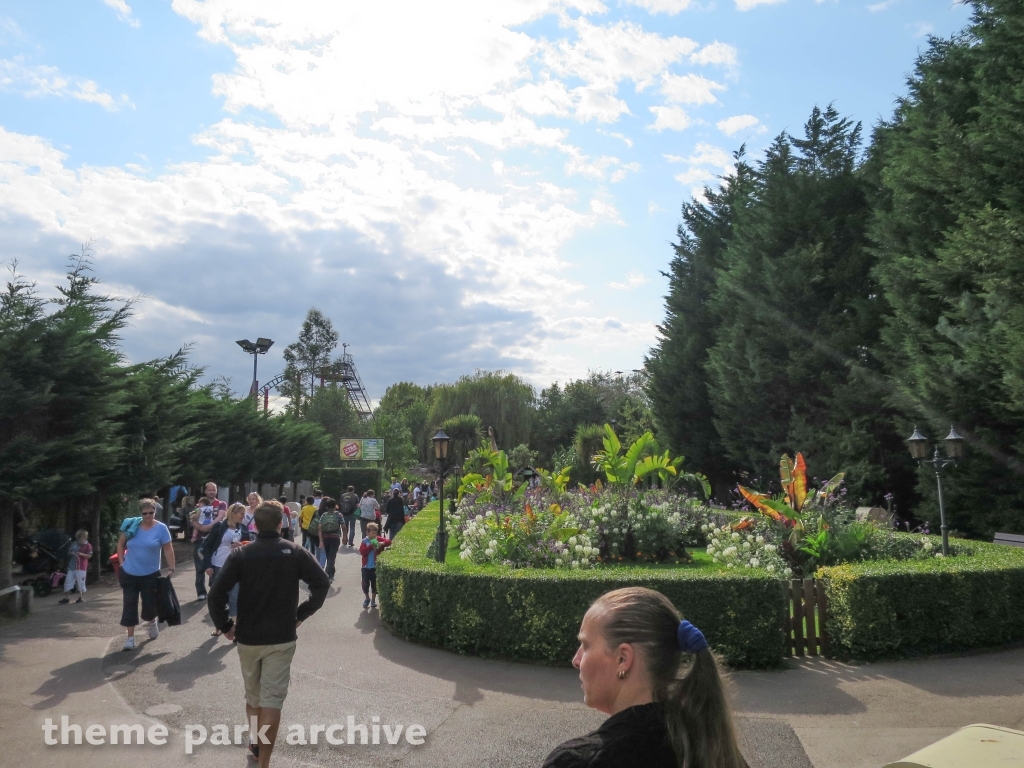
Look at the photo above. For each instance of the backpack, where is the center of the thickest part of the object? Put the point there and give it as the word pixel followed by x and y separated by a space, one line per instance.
pixel 348 503
pixel 314 527
pixel 330 522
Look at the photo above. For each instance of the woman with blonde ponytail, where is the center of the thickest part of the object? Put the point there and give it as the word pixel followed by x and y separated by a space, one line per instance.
pixel 632 646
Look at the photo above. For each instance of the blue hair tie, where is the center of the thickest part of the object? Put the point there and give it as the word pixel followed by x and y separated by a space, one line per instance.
pixel 689 638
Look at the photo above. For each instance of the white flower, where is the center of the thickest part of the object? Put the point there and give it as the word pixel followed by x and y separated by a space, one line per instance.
pixel 769 547
pixel 489 552
pixel 927 546
pixel 575 564
pixel 746 545
pixel 572 541
pixel 490 513
pixel 479 518
pixel 760 539
pixel 558 561
pixel 735 536
pixel 770 568
pixel 493 544
pixel 754 562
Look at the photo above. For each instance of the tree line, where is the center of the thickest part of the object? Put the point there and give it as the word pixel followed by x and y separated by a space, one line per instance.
pixel 82 430
pixel 829 297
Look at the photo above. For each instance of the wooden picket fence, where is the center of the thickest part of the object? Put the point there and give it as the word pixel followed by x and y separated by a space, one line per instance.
pixel 804 626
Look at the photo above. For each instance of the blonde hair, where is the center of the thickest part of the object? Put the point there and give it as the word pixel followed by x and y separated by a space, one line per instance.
pixel 372 527
pixel 146 504
pixel 81 533
pixel 237 506
pixel 259 499
pixel 696 712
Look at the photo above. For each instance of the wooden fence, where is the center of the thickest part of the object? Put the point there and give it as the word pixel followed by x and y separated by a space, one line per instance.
pixel 804 625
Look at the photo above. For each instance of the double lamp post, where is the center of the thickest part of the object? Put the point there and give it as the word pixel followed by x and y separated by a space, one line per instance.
pixel 919 445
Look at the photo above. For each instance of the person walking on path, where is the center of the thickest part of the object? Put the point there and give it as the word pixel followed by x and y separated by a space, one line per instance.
pixel 78 563
pixel 212 512
pixel 267 572
pixel 369 510
pixel 395 510
pixel 369 548
pixel 140 567
pixel 253 500
pixel 305 515
pixel 225 537
pixel 287 523
pixel 348 504
pixel 632 645
pixel 330 533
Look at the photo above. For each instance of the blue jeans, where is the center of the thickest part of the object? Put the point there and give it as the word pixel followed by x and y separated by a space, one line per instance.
pixel 348 529
pixel 232 595
pixel 321 556
pixel 197 559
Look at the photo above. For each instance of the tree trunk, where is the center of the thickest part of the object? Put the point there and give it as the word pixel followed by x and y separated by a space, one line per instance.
pixel 95 519
pixel 6 541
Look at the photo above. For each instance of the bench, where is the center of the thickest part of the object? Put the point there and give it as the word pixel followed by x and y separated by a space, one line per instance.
pixel 15 601
pixel 1009 539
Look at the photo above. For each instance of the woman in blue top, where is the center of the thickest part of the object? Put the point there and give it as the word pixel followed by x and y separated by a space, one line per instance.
pixel 140 567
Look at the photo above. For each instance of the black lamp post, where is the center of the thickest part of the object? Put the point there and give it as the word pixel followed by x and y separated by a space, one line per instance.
pixel 954 452
pixel 257 348
pixel 441 442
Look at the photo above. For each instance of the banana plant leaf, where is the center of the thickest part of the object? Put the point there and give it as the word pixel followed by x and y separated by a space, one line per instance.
pixel 799 484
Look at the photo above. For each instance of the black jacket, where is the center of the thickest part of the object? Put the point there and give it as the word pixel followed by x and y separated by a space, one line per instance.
pixel 212 541
pixel 268 571
pixel 636 737
pixel 395 510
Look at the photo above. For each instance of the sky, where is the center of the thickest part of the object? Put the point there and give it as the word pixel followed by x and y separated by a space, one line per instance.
pixel 458 185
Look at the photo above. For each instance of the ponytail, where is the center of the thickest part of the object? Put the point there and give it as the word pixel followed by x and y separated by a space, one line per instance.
pixel 696 711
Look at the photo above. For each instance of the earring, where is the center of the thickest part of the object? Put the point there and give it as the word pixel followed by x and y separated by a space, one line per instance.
pixel 622 674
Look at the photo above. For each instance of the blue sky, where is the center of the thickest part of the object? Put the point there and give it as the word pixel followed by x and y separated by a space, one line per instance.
pixel 458 185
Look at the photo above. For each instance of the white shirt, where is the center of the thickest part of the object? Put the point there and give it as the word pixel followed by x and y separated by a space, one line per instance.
pixel 316 502
pixel 231 535
pixel 368 507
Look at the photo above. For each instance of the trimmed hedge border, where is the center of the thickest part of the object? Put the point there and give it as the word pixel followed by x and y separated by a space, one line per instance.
pixel 534 615
pixel 890 609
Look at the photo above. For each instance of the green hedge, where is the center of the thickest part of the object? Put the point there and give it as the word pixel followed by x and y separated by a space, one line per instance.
pixel 534 615
pixel 335 480
pixel 889 609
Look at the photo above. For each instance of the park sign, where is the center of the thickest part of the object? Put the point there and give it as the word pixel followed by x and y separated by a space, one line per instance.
pixel 357 449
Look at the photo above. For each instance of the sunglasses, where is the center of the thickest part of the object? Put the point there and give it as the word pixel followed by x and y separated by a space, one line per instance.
pixel 151 512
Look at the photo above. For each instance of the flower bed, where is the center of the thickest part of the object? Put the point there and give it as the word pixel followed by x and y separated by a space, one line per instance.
pixel 533 614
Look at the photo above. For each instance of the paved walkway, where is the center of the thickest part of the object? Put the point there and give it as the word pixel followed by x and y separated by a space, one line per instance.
pixel 66 660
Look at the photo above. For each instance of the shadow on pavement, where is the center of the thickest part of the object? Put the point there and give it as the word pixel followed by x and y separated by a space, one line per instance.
pixel 182 673
pixel 471 674
pixel 84 675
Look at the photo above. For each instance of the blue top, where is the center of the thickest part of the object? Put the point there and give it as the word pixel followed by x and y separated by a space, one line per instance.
pixel 143 555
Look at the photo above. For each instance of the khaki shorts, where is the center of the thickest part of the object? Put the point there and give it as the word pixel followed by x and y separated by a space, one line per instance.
pixel 266 670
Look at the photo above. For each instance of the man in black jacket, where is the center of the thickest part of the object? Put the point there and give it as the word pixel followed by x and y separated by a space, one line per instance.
pixel 268 571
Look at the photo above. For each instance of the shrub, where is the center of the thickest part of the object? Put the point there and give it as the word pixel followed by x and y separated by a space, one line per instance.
pixel 334 480
pixel 534 614
pixel 885 609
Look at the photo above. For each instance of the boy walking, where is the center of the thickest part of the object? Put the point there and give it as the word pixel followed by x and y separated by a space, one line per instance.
pixel 369 548
pixel 78 563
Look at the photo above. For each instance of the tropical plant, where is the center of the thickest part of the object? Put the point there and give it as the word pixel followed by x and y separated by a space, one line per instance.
pixel 466 432
pixel 642 460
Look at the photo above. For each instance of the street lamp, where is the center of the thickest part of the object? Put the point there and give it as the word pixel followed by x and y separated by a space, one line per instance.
pixel 954 452
pixel 257 348
pixel 441 442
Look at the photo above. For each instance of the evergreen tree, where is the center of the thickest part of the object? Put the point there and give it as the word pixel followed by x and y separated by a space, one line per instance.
pixel 950 244
pixel 678 381
pixel 798 313
pixel 306 358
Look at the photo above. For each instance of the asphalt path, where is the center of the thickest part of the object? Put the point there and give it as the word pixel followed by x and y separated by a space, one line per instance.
pixel 480 713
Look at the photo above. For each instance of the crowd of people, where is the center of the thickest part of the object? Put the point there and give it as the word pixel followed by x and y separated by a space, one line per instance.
pixel 639 661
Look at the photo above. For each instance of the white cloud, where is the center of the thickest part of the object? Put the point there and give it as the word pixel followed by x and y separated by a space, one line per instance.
pixel 633 280
pixel 689 89
pixel 883 6
pixel 620 136
pixel 715 53
pixel 923 29
pixel 746 5
pixel 730 126
pixel 707 163
pixel 669 118
pixel 399 135
pixel 39 80
pixel 124 11
pixel 671 7
pixel 653 208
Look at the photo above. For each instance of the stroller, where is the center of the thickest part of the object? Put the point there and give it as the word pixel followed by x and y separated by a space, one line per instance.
pixel 42 555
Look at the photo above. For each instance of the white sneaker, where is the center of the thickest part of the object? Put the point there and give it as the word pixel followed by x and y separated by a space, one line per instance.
pixel 129 644
pixel 154 631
